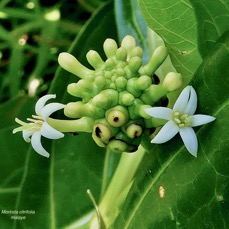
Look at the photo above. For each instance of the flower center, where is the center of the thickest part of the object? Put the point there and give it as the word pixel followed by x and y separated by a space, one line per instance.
pixel 36 122
pixel 182 120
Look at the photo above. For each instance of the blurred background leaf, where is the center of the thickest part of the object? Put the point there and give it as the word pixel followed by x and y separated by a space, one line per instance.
pixel 32 34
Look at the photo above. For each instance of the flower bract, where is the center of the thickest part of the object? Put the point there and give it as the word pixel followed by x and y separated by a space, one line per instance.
pixel 38 125
pixel 181 119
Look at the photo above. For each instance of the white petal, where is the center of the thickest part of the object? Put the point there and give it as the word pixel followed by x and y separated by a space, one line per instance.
pixel 189 138
pixel 49 132
pixel 159 112
pixel 182 100
pixel 168 131
pixel 41 102
pixel 199 120
pixel 192 103
pixel 51 108
pixel 26 134
pixel 36 144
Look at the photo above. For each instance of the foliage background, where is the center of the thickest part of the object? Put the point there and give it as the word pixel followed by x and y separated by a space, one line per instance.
pixel 196 190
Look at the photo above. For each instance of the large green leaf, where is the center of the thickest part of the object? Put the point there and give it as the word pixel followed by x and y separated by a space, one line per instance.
pixel 54 188
pixel 212 21
pixel 196 189
pixel 13 154
pixel 175 22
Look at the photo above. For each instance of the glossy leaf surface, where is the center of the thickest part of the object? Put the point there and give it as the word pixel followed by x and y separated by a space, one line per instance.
pixel 175 22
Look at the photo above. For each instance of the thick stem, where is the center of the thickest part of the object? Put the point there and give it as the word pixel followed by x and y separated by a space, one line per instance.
pixel 122 177
pixel 80 125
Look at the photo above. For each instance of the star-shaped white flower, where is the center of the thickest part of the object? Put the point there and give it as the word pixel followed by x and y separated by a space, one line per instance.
pixel 38 126
pixel 180 119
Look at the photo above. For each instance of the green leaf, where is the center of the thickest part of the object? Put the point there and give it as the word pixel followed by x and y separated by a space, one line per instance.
pixel 13 154
pixel 195 189
pixel 175 22
pixel 212 21
pixel 13 108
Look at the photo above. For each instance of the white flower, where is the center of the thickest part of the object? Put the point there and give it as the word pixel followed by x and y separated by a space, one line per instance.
pixel 38 126
pixel 180 119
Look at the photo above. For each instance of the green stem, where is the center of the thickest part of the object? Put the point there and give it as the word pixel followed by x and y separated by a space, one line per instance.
pixel 80 125
pixel 122 177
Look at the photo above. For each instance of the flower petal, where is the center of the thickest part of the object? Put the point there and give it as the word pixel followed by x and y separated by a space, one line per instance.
pixel 192 103
pixel 41 102
pixel 182 100
pixel 51 108
pixel 199 119
pixel 49 132
pixel 26 134
pixel 189 138
pixel 36 144
pixel 168 131
pixel 159 112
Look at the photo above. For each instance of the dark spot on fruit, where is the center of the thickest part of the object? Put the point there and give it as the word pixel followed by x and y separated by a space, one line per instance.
pixel 116 119
pixel 98 132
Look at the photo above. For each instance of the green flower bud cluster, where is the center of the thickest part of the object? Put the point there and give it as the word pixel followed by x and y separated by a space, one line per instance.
pixel 118 90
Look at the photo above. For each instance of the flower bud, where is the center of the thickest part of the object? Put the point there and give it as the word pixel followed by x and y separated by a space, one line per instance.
pixel 75 90
pixel 156 92
pixel 136 52
pixel 94 59
pixel 134 64
pixel 142 83
pixel 110 64
pixel 125 98
pixel 121 54
pixel 106 99
pixel 110 47
pixel 172 81
pixel 118 146
pixel 158 57
pixel 121 82
pixel 80 109
pixel 71 64
pixel 128 43
pixel 100 82
pixel 133 89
